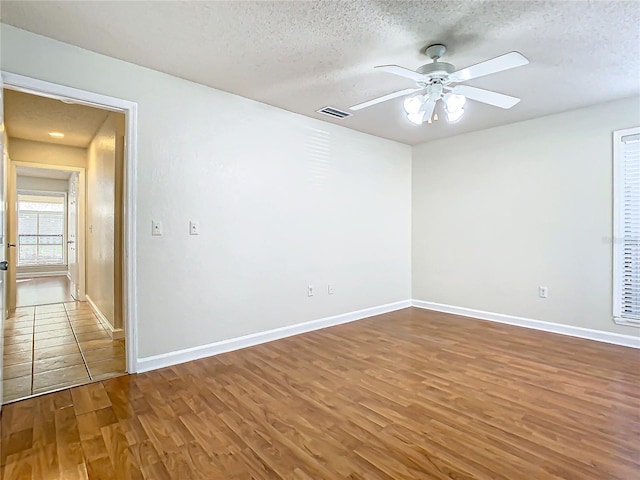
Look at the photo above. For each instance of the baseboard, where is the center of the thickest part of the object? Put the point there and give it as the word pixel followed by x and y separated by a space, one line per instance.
pixel 590 334
pixel 195 353
pixel 115 333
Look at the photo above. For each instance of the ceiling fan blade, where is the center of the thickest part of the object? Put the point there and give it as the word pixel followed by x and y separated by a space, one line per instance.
pixel 402 72
pixel 486 96
pixel 384 98
pixel 495 65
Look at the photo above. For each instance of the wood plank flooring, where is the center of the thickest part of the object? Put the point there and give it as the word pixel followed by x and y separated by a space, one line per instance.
pixel 407 395
pixel 49 347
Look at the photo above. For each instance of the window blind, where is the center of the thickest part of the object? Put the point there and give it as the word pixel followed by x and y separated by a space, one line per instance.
pixel 627 226
pixel 41 229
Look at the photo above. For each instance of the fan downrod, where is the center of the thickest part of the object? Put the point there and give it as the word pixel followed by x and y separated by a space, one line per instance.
pixel 437 71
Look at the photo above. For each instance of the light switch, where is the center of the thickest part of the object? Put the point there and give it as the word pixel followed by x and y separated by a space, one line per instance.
pixel 156 228
pixel 194 228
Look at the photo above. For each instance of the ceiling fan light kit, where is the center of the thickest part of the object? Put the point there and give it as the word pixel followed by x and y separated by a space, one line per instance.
pixel 416 118
pixel 413 104
pixel 454 106
pixel 439 81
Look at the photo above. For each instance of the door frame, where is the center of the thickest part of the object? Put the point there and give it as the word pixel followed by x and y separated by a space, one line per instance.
pixel 3 233
pixel 76 285
pixel 42 88
pixel 12 201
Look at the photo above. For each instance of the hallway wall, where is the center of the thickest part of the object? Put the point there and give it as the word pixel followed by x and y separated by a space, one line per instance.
pixel 41 184
pixel 39 152
pixel 101 255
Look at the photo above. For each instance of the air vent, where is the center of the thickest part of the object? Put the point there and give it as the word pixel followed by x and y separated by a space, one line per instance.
pixel 334 112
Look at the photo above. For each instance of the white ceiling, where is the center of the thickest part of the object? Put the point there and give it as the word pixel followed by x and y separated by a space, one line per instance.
pixel 43 173
pixel 32 118
pixel 303 55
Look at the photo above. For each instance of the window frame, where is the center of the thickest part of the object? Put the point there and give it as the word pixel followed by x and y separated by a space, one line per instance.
pixel 618 226
pixel 44 193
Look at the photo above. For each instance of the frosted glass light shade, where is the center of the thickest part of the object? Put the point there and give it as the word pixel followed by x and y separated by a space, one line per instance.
pixel 416 118
pixel 453 106
pixel 453 117
pixel 413 104
pixel 454 102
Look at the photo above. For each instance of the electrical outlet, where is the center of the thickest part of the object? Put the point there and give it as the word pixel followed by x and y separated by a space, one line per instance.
pixel 194 228
pixel 543 292
pixel 156 228
pixel 330 289
pixel 310 290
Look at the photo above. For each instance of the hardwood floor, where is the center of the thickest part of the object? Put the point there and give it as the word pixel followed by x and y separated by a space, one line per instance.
pixel 49 347
pixel 42 291
pixel 407 395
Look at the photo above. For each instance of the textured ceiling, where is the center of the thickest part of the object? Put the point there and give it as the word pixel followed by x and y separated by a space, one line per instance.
pixel 303 55
pixel 32 118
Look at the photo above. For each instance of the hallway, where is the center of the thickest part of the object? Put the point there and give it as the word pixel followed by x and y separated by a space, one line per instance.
pixel 42 291
pixel 50 347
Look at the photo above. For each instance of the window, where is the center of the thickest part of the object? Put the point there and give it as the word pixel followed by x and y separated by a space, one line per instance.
pixel 626 225
pixel 41 230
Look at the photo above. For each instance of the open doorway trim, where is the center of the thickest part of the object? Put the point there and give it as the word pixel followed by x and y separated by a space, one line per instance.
pixel 34 86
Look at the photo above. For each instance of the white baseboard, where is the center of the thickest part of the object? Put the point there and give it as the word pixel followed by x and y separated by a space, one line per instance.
pixel 195 353
pixel 590 334
pixel 115 333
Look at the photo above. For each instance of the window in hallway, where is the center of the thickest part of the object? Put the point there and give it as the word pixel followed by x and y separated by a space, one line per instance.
pixel 41 230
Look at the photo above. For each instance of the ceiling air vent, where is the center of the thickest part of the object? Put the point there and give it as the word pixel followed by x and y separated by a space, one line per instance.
pixel 334 112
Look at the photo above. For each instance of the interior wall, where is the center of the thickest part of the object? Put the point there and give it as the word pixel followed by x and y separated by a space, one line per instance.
pixel 499 212
pixel 41 184
pixel 40 152
pixel 101 217
pixel 283 201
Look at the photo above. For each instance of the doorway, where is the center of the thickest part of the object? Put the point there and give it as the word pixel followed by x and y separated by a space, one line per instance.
pixel 43 233
pixel 65 323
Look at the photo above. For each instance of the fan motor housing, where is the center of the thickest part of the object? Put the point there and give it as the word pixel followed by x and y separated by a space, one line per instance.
pixel 436 69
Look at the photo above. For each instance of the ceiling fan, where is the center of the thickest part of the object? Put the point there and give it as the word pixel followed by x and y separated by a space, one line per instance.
pixel 439 81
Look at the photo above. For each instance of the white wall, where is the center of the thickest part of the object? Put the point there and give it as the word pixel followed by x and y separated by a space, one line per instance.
pixel 21 150
pixel 41 184
pixel 499 212
pixel 282 200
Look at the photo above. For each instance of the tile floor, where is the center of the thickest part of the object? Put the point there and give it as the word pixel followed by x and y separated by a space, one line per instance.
pixel 42 291
pixel 50 347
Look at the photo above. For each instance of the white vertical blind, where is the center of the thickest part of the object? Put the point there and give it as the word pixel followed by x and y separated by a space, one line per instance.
pixel 627 226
